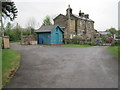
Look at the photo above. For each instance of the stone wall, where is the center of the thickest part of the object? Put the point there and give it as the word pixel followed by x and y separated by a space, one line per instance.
pixel 26 40
pixel 76 27
pixel 61 21
pixel 72 28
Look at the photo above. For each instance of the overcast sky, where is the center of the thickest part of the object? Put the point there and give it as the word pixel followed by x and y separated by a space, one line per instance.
pixel 119 15
pixel 103 12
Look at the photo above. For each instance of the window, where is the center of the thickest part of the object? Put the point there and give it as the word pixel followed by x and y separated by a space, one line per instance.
pixel 71 36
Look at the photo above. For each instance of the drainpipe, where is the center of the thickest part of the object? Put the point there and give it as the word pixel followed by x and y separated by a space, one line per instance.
pixel 85 30
pixel 69 24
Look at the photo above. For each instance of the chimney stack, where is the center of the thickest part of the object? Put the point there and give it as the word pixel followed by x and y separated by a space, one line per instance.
pixel 69 10
pixel 80 13
pixel 87 16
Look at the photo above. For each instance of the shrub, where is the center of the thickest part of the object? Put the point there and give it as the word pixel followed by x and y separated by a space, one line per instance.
pixel 76 40
pixel 115 43
pixel 93 43
pixel 15 34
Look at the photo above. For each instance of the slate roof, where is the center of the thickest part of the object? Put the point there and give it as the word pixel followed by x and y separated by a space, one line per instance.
pixel 77 16
pixel 47 28
pixel 58 16
pixel 104 32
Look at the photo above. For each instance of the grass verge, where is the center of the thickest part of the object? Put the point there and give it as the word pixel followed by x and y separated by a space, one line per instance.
pixel 15 41
pixel 10 63
pixel 114 50
pixel 75 45
pixel 0 63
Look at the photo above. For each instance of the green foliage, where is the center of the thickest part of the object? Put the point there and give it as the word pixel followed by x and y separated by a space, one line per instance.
pixel 115 43
pixel 47 21
pixel 9 26
pixel 9 9
pixel 112 31
pixel 15 41
pixel 76 39
pixel 28 31
pixel 114 50
pixel 118 32
pixel 10 62
pixel 104 37
pixel 16 32
pixel 13 34
pixel 32 31
pixel 93 43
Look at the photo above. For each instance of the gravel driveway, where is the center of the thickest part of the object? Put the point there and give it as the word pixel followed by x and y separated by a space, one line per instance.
pixel 65 67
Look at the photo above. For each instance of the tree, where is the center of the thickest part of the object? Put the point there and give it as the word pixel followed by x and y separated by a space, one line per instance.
pixel 47 21
pixel 112 31
pixel 8 29
pixel 118 32
pixel 76 39
pixel 13 33
pixel 8 10
pixel 31 23
pixel 9 26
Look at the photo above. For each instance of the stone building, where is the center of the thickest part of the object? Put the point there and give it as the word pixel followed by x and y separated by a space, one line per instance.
pixel 74 25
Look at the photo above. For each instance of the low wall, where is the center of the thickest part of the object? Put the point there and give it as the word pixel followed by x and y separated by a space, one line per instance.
pixel 28 40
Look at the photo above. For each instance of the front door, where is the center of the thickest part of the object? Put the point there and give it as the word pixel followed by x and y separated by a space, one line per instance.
pixel 40 41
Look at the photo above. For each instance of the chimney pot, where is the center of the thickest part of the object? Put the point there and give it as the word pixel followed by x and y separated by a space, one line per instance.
pixel 69 6
pixel 80 13
pixel 87 16
pixel 69 10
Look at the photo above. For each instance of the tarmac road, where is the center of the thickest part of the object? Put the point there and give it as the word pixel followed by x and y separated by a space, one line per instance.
pixel 65 67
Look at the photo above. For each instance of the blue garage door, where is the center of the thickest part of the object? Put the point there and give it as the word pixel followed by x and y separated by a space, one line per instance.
pixel 40 41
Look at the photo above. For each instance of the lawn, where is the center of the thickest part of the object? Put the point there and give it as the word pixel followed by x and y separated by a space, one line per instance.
pixel 74 45
pixel 10 63
pixel 114 50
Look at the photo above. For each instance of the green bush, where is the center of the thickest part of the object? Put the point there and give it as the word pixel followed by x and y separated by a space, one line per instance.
pixel 27 32
pixel 15 34
pixel 93 43
pixel 114 43
pixel 76 40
